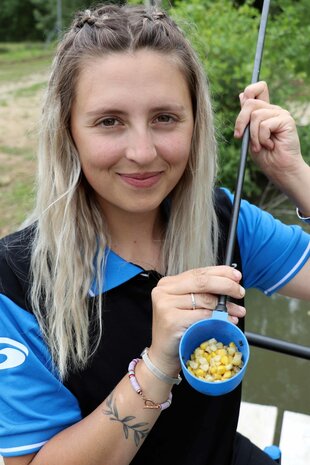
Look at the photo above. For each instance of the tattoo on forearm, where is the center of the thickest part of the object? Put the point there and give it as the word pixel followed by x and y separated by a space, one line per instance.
pixel 140 431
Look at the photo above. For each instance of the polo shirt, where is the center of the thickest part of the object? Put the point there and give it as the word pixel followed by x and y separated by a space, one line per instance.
pixel 196 429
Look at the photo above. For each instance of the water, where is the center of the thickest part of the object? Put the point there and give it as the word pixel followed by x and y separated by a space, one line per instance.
pixel 273 378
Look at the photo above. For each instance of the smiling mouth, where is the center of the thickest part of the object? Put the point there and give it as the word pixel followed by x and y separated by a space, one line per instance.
pixel 141 179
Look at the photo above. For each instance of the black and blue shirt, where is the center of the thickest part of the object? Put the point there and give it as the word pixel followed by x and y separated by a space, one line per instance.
pixel 196 430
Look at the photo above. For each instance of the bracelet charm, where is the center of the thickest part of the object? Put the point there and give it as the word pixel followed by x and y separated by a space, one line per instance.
pixel 148 403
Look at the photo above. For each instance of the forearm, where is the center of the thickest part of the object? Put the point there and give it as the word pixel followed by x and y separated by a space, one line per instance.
pixel 114 432
pixel 297 188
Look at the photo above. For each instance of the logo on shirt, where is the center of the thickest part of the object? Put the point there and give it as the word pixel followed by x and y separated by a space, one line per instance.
pixel 14 353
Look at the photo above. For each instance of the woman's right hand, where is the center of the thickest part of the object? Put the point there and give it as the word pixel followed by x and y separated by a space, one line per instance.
pixel 173 312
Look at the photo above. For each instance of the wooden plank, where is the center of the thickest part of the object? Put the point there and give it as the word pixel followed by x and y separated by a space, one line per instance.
pixel 258 423
pixel 295 439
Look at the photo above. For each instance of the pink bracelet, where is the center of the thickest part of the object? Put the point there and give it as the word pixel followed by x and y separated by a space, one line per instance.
pixel 148 403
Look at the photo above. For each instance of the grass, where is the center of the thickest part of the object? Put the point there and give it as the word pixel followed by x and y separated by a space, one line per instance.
pixel 16 201
pixel 19 60
pixel 20 85
pixel 29 90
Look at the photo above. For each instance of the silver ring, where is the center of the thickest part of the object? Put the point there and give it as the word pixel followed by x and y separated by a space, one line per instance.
pixel 193 301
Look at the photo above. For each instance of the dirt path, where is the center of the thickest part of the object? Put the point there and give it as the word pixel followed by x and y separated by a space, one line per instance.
pixel 19 115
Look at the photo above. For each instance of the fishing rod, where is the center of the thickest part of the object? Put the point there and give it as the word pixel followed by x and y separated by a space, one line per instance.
pixel 257 340
pixel 221 306
pixel 278 345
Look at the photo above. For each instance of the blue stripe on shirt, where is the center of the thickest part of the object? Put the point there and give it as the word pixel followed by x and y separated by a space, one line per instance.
pixel 34 404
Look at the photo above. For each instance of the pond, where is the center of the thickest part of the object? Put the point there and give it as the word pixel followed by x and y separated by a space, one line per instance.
pixel 273 378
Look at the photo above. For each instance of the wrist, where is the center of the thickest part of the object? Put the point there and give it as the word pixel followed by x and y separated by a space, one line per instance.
pixel 158 372
pixel 152 387
pixel 297 187
pixel 302 217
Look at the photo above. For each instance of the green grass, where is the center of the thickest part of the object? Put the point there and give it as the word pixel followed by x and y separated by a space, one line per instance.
pixel 16 201
pixel 18 61
pixel 26 153
pixel 29 90
pixel 24 51
pixel 17 173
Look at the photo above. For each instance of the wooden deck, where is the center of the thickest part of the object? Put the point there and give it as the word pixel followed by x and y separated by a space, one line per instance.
pixel 258 423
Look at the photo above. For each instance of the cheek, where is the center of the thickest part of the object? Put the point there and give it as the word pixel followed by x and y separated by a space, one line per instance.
pixel 177 151
pixel 99 155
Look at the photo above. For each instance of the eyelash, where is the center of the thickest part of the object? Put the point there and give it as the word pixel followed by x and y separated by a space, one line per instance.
pixel 109 118
pixel 171 119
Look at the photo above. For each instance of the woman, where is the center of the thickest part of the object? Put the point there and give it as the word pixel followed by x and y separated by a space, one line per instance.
pixel 124 252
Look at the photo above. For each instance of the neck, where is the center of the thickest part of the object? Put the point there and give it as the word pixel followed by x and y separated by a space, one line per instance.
pixel 137 238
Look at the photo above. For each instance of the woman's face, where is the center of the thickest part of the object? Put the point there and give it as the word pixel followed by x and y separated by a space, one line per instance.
pixel 132 124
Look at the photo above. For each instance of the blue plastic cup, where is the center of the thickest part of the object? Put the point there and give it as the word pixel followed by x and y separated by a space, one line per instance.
pixel 224 331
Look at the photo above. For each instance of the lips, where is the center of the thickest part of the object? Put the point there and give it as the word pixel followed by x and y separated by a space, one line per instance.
pixel 141 179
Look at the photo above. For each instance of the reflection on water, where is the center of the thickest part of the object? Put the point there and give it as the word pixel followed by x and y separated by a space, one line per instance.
pixel 272 378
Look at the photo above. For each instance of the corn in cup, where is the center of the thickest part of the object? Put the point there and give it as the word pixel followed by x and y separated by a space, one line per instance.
pixel 215 362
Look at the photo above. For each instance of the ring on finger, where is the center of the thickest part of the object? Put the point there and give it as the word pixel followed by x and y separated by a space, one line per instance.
pixel 194 305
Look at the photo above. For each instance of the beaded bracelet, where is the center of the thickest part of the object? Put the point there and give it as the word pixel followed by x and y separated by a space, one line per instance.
pixel 148 403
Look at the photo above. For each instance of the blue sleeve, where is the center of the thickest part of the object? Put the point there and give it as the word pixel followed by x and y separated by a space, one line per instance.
pixel 272 253
pixel 34 404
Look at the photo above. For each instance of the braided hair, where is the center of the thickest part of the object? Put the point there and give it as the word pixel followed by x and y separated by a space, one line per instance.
pixel 71 229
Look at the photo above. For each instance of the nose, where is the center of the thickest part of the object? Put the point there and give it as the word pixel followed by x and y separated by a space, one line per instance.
pixel 141 148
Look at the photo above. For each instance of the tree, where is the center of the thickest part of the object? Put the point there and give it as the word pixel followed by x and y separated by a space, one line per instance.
pixel 225 36
pixel 17 23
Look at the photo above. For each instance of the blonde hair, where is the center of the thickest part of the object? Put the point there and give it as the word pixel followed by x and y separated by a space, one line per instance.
pixel 71 235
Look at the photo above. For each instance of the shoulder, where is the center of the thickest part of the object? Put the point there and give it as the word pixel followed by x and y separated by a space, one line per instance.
pixel 15 257
pixel 272 252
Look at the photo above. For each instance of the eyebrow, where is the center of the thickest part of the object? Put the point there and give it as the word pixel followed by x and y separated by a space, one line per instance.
pixel 115 110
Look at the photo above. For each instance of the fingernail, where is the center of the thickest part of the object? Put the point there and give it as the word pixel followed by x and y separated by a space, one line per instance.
pixel 242 291
pixel 242 310
pixel 237 274
pixel 237 133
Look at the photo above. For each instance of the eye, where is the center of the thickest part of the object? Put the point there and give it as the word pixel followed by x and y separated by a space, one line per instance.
pixel 108 122
pixel 164 119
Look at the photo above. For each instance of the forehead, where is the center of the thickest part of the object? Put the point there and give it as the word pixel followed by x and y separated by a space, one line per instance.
pixel 139 72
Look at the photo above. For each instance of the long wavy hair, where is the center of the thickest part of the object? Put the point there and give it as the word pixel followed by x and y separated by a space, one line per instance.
pixel 68 252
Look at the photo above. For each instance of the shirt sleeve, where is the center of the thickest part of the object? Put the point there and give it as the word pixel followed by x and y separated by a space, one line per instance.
pixel 34 404
pixel 272 252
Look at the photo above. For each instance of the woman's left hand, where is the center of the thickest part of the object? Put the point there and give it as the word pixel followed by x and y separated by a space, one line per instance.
pixel 274 142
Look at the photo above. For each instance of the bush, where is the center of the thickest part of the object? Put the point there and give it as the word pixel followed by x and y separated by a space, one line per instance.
pixel 225 38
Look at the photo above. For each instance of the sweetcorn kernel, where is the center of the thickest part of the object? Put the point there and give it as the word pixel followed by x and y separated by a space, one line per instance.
pixel 214 362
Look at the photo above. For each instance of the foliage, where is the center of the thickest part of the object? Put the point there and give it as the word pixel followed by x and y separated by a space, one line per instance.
pixel 16 22
pixel 224 33
pixel 225 38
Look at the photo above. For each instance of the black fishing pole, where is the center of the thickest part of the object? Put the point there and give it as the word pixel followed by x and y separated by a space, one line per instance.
pixel 278 345
pixel 221 306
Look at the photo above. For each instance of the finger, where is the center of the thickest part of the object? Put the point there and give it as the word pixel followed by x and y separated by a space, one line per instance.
pixel 233 319
pixel 245 115
pixel 212 280
pixel 258 90
pixel 235 310
pixel 262 122
pixel 201 301
pixel 185 302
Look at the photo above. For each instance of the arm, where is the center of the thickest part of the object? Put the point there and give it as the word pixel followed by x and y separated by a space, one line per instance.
pixel 298 287
pixel 275 146
pixel 107 435
pixel 101 437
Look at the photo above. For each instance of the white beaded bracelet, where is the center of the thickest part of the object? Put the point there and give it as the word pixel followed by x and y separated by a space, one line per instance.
pixel 158 373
